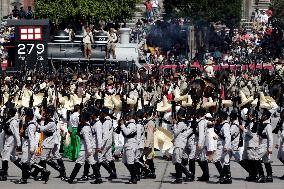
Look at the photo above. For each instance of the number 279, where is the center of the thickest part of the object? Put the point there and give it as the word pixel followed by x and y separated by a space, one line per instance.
pixel 28 48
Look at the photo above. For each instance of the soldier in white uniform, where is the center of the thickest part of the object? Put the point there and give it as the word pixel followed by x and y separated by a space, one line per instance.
pixel 12 141
pixel 49 140
pixel 140 142
pixel 236 151
pixel 279 129
pixel 86 150
pixel 200 135
pixel 105 158
pixel 181 132
pixel 264 132
pixel 129 131
pixel 222 129
pixel 29 148
pixel 96 127
pixel 251 142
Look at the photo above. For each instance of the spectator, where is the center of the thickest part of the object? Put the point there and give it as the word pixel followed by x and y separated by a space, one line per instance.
pixel 29 14
pixel 15 12
pixel 22 13
pixel 88 40
pixel 149 10
pixel 155 7
pixel 112 40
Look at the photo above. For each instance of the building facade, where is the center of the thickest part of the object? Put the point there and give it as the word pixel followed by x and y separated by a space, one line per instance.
pixel 6 6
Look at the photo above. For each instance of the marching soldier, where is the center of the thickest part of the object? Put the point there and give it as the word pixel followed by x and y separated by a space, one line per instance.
pixel 96 127
pixel 140 142
pixel 149 142
pixel 280 145
pixel 181 132
pixel 251 142
pixel 129 131
pixel 86 149
pixel 222 129
pixel 200 134
pixel 49 140
pixel 235 140
pixel 106 158
pixel 12 141
pixel 28 149
pixel 264 132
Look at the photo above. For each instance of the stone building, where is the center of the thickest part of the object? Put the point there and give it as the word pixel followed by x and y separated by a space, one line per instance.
pixel 6 6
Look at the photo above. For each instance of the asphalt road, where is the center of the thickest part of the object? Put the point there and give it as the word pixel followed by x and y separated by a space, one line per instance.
pixel 163 170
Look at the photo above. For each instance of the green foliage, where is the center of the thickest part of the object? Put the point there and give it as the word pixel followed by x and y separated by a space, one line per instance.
pixel 63 10
pixel 204 11
pixel 278 11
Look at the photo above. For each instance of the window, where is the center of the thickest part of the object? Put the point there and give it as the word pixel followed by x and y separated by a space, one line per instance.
pixel 31 33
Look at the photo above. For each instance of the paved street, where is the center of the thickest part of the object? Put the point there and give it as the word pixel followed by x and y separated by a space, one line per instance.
pixel 163 170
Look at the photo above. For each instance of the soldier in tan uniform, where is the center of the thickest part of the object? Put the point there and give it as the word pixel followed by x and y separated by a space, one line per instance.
pixel 149 143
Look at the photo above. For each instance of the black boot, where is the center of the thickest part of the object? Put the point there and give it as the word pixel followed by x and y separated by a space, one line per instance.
pixel 97 174
pixel 191 168
pixel 152 173
pixel 42 163
pixel 178 168
pixel 25 174
pixel 4 175
pixel 227 175
pixel 188 174
pixel 106 165
pixel 85 172
pixel 133 173
pixel 138 169
pixel 261 178
pixel 252 171
pixel 74 173
pixel 245 165
pixel 219 167
pixel 62 173
pixel 268 168
pixel 205 171
pixel 112 166
pixel 18 163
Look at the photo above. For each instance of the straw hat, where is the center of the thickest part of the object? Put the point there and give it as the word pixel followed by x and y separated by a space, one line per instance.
pixel 38 99
pixel 209 104
pixel 227 103
pixel 187 102
pixel 163 106
pixel 177 95
pixel 42 86
pixel 266 102
pixel 209 62
pixel 131 101
pixel 97 96
pixel 26 98
pixel 116 101
pixel 139 105
pixel 75 99
pixel 108 102
pixel 163 139
pixel 244 99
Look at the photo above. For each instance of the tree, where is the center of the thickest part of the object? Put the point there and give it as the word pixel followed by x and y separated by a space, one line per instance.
pixel 206 11
pixel 278 11
pixel 59 11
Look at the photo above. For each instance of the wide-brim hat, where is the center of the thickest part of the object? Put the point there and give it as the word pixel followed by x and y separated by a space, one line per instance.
pixel 227 103
pixel 163 106
pixel 188 102
pixel 244 99
pixel 108 102
pixel 209 104
pixel 209 62
pixel 117 102
pixel 38 98
pixel 266 102
pixel 162 139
